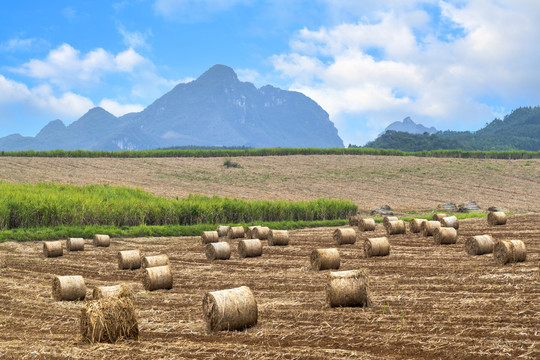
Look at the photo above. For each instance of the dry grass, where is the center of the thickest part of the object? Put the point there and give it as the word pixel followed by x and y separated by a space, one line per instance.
pixel 369 181
pixel 429 302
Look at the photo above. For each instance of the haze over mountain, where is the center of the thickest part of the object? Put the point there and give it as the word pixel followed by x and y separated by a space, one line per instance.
pixel 215 110
pixel 409 126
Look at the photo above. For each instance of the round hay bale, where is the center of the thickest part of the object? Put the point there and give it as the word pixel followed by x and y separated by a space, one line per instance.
pixel 479 245
pixel 100 292
pixel 278 238
pixel 261 233
pixel 223 230
pixel 344 236
pixel 102 240
pixel 324 259
pixel 68 288
pixel 159 277
pixel 376 247
pixel 396 227
pixel 496 218
pixel 354 220
pixel 154 261
pixel 445 235
pixel 75 244
pixel 52 248
pixel 509 251
pixel 236 232
pixel 232 309
pixel 415 225
pixel 387 219
pixel 366 225
pixel 439 216
pixel 218 251
pixel 348 288
pixel 249 232
pixel 108 320
pixel 250 248
pixel 429 226
pixel 208 237
pixel 450 221
pixel 129 259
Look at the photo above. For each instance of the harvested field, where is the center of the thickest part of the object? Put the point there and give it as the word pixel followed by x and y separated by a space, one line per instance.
pixel 368 181
pixel 429 302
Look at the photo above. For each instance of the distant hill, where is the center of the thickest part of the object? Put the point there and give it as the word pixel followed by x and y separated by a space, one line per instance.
pixel 519 130
pixel 409 126
pixel 216 110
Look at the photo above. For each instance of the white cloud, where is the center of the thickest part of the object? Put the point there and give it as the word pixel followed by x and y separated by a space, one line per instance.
pixel 135 39
pixel 42 100
pixel 118 109
pixel 396 64
pixel 69 13
pixel 21 44
pixel 66 67
pixel 194 10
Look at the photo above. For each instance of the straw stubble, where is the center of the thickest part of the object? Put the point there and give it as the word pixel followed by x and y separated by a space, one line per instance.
pixel 109 319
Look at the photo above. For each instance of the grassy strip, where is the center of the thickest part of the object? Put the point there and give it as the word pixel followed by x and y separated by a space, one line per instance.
pixel 511 154
pixel 64 232
pixel 50 205
pixel 460 216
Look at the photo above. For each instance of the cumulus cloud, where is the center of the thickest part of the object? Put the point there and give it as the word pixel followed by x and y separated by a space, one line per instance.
pixel 118 109
pixel 66 67
pixel 42 100
pixel 378 70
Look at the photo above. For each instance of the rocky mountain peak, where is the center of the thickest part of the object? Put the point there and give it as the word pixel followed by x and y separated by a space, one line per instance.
pixel 215 110
pixel 218 74
pixel 409 126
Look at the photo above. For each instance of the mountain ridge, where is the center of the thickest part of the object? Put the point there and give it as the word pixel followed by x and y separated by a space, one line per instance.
pixel 216 109
pixel 409 126
pixel 519 130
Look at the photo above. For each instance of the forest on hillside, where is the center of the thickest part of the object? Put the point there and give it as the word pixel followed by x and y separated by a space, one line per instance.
pixel 519 130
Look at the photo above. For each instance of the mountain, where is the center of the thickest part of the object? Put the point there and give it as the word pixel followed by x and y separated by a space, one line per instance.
pixel 215 110
pixel 520 130
pixel 409 126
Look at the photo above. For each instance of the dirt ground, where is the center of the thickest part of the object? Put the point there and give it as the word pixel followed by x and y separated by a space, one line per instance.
pixel 404 183
pixel 429 302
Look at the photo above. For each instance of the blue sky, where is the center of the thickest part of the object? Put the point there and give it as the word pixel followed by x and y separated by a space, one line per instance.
pixel 451 64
